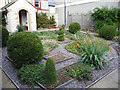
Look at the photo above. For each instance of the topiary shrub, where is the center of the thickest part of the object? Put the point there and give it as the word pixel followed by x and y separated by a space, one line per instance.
pixel 74 27
pixel 31 73
pixel 4 35
pixel 61 32
pixel 61 37
pixel 24 48
pixel 50 72
pixel 20 28
pixel 108 32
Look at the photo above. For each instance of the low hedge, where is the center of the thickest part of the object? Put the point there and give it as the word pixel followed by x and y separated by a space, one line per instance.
pixel 24 48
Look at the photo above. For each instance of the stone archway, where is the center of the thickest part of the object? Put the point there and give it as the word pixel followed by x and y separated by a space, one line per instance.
pixel 23 18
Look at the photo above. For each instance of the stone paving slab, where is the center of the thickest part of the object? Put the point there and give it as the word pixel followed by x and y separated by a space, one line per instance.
pixel 110 81
pixel 5 81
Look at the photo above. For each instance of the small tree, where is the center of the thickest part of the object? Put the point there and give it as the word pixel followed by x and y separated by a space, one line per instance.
pixel 42 20
pixel 50 72
pixel 52 20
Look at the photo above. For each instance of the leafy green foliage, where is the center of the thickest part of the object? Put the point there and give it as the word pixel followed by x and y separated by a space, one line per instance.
pixel 42 20
pixel 108 32
pixel 75 37
pixel 52 20
pixel 2 19
pixel 104 16
pixel 61 37
pixel 20 28
pixel 24 48
pixel 4 35
pixel 74 27
pixel 31 73
pixel 94 52
pixel 72 47
pixel 50 72
pixel 79 71
pixel 48 46
pixel 118 33
pixel 46 35
pixel 61 34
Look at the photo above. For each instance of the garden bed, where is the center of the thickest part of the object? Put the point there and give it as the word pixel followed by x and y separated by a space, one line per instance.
pixel 49 46
pixel 11 71
pixel 65 41
pixel 61 79
pixel 59 57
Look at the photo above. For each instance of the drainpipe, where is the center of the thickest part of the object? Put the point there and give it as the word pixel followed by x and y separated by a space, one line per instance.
pixel 65 12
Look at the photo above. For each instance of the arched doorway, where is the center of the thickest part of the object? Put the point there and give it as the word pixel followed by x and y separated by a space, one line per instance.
pixel 23 19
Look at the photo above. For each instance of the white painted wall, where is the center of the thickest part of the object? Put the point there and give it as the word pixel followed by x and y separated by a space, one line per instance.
pixel 13 15
pixel 82 7
pixel 2 3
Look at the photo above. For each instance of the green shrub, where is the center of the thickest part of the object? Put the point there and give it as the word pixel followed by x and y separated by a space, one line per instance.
pixel 3 19
pixel 61 32
pixel 31 73
pixel 51 20
pixel 61 37
pixel 74 27
pixel 118 33
pixel 108 32
pixel 62 27
pixel 50 72
pixel 94 52
pixel 105 16
pixel 20 28
pixel 79 71
pixel 4 35
pixel 24 48
pixel 42 20
pixel 56 32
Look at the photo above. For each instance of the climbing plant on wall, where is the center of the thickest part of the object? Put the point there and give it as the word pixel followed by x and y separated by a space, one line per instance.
pixel 2 19
pixel 105 16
